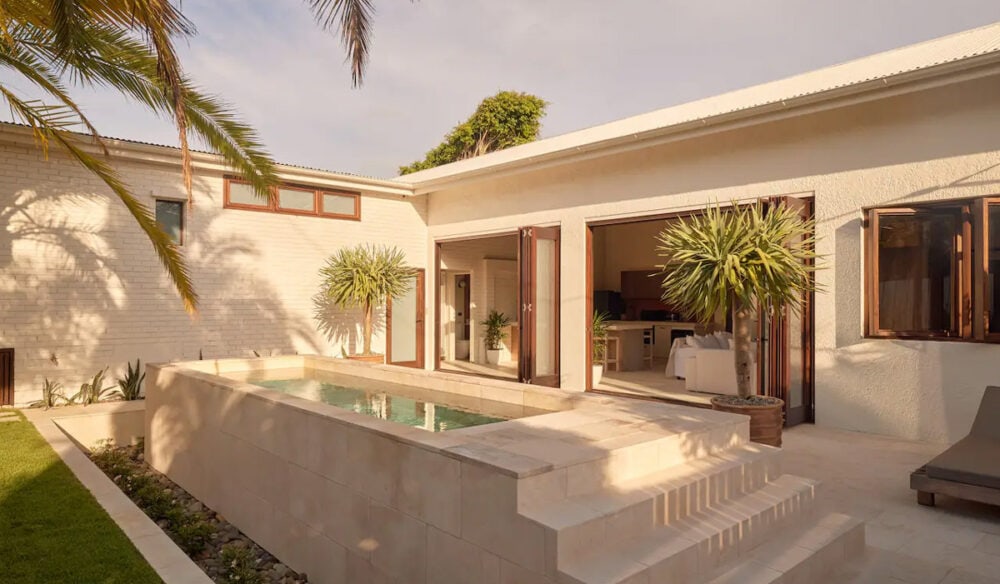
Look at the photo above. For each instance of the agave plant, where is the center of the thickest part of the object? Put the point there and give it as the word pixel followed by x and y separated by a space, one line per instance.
pixel 743 259
pixel 94 391
pixel 495 324
pixel 365 276
pixel 130 386
pixel 52 394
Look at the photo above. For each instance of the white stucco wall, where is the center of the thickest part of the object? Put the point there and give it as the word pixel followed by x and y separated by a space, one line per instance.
pixel 935 144
pixel 81 288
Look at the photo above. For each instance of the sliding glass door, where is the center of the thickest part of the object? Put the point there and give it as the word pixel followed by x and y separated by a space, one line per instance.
pixel 539 310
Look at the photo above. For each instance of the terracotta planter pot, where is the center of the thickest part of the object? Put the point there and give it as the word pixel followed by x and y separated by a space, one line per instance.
pixel 766 421
pixel 378 359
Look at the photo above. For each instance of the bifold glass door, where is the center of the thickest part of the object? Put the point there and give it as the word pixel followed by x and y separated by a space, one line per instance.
pixel 786 345
pixel 405 330
pixel 539 312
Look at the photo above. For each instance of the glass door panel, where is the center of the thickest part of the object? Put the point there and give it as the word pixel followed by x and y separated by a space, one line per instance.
pixel 538 361
pixel 786 346
pixel 406 326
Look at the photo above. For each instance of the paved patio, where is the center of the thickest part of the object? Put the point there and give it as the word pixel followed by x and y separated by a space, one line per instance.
pixel 867 476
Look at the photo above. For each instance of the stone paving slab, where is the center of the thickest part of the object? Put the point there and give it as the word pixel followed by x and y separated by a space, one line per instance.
pixel 868 476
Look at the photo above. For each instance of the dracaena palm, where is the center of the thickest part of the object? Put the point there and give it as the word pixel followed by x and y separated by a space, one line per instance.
pixel 741 259
pixel 366 276
pixel 128 46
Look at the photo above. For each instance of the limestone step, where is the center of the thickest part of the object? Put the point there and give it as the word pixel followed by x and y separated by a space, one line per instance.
pixel 618 461
pixel 579 524
pixel 811 554
pixel 694 547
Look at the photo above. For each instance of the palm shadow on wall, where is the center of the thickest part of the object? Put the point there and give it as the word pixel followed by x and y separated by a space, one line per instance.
pixel 95 295
pixel 343 327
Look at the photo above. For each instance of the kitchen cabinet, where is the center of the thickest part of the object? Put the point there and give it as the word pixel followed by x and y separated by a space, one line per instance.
pixel 637 284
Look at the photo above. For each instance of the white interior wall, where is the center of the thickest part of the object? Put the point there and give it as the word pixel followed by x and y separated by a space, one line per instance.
pixel 476 257
pixel 624 247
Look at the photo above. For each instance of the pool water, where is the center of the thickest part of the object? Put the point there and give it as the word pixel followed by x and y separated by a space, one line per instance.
pixel 435 417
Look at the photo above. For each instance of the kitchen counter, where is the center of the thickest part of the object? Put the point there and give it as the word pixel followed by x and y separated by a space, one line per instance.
pixel 633 351
pixel 633 325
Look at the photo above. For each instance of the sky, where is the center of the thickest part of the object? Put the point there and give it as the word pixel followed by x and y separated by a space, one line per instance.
pixel 432 61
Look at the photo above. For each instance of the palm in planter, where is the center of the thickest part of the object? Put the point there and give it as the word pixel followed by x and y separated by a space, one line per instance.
pixel 741 259
pixel 598 344
pixel 496 322
pixel 366 276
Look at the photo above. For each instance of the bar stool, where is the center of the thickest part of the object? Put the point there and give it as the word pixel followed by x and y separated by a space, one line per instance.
pixel 612 353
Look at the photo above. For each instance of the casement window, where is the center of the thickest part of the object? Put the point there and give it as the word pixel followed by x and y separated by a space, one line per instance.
pixel 170 217
pixel 295 200
pixel 931 271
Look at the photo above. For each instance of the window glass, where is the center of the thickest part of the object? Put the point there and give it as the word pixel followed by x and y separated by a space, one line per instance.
pixel 242 194
pixel 338 204
pixel 916 272
pixel 170 216
pixel 993 268
pixel 296 200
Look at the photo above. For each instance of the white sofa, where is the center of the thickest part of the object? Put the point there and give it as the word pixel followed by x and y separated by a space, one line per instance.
pixel 714 371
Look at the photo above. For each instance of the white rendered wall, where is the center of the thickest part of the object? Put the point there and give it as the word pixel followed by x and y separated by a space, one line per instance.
pixel 80 286
pixel 937 144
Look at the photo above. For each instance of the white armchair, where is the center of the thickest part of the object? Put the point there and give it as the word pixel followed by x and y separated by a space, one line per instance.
pixel 713 371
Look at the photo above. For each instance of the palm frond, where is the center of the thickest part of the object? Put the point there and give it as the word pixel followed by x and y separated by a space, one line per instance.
pixel 353 19
pixel 49 124
pixel 740 257
pixel 119 62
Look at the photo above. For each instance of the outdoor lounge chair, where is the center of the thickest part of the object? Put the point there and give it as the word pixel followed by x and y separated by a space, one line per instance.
pixel 970 469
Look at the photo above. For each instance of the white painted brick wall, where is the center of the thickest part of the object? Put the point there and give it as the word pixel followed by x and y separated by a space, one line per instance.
pixel 81 288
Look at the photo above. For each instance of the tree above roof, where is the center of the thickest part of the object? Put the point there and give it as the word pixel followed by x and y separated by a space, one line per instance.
pixel 506 119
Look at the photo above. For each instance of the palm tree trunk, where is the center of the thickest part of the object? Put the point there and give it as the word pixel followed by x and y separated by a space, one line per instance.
pixel 742 318
pixel 367 330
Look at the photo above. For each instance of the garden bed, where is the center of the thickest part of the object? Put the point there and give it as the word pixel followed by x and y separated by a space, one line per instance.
pixel 217 547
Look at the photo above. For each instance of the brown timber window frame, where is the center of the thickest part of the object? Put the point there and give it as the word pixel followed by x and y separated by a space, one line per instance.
pixel 943 261
pixel 273 206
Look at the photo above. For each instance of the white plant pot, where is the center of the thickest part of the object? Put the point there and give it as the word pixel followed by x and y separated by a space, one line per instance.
pixel 493 356
pixel 597 375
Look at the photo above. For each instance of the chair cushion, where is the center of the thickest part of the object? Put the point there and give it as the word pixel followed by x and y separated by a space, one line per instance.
pixel 702 342
pixel 972 460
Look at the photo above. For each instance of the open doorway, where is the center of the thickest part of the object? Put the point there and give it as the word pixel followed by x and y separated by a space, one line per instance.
pixel 477 276
pixel 653 351
pixel 642 329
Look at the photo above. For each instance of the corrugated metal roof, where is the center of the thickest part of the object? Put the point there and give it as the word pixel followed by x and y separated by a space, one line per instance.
pixel 176 149
pixel 909 59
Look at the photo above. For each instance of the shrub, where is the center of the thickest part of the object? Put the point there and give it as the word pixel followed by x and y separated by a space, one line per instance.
pixel 191 532
pixel 240 565
pixel 155 500
pixel 130 386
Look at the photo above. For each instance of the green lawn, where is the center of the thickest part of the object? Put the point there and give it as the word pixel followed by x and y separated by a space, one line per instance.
pixel 51 529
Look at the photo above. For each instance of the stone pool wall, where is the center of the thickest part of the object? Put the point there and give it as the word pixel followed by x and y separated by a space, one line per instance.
pixel 340 496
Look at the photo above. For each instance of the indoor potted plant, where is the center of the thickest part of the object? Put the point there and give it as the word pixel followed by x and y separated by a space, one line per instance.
pixel 495 324
pixel 598 345
pixel 743 259
pixel 365 276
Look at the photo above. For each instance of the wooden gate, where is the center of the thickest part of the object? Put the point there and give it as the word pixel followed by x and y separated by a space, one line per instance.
pixel 6 377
